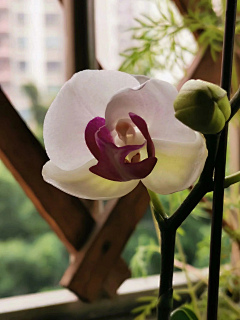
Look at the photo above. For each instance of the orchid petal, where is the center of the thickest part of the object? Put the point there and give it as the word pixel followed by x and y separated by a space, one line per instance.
pixel 178 166
pixel 81 99
pixel 84 184
pixel 141 79
pixel 152 101
pixel 111 163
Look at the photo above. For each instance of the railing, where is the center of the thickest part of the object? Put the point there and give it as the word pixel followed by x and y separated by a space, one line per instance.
pixel 62 304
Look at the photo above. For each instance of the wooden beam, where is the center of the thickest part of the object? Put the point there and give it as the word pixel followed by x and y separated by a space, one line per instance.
pixel 80 36
pixel 182 6
pixel 88 273
pixel 204 68
pixel 24 156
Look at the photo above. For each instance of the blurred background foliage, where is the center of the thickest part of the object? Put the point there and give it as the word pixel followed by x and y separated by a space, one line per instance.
pixel 32 257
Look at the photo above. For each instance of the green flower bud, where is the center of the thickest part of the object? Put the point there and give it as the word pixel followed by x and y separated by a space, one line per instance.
pixel 202 106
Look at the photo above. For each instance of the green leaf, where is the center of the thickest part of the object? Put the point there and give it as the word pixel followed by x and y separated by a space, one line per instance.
pixel 139 309
pixel 140 317
pixel 181 231
pixel 183 313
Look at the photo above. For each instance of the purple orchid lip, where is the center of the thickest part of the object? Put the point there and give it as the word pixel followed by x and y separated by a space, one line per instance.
pixel 112 164
pixel 92 127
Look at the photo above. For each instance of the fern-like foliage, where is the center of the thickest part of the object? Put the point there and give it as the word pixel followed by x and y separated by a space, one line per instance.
pixel 164 42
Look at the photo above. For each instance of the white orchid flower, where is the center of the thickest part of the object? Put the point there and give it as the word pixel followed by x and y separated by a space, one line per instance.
pixel 107 130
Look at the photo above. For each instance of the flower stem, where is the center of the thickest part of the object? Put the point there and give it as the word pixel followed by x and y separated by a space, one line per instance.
pixel 165 302
pixel 232 179
pixel 218 195
pixel 235 103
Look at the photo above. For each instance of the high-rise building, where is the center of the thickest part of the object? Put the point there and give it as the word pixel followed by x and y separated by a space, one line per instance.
pixel 32 42
pixel 31 47
pixel 114 19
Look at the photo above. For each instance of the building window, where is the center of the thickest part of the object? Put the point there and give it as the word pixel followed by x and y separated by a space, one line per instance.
pixel 22 43
pixel 21 19
pixel 53 66
pixel 3 15
pixel 22 66
pixel 4 64
pixel 6 86
pixel 51 19
pixel 4 40
pixel 53 43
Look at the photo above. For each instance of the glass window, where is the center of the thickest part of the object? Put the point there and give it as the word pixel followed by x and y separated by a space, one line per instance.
pixel 53 43
pixel 53 66
pixel 22 66
pixel 21 18
pixel 51 19
pixel 3 14
pixel 4 39
pixel 22 43
pixel 4 64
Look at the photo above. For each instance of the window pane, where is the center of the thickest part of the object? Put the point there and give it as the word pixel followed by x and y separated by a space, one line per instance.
pixel 53 43
pixel 4 39
pixel 21 18
pixel 53 66
pixel 22 66
pixel 22 43
pixel 4 64
pixel 3 15
pixel 51 19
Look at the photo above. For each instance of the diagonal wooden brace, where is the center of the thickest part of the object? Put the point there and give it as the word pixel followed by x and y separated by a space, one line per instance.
pixel 87 274
pixel 24 156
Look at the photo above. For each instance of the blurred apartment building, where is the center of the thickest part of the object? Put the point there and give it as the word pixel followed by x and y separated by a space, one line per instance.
pixel 32 42
pixel 31 48
pixel 114 19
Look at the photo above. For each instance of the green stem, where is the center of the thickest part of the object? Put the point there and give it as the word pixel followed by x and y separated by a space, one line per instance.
pixel 231 304
pixel 235 104
pixel 232 179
